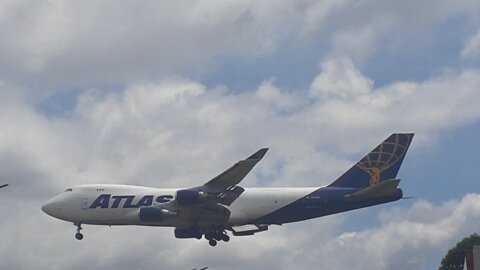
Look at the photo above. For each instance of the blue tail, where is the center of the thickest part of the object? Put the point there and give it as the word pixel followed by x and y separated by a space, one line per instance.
pixel 381 164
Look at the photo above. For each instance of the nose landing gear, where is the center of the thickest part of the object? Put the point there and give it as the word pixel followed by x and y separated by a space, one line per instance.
pixel 78 235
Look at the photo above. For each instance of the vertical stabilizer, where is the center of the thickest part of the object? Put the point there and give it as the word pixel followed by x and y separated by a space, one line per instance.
pixel 381 164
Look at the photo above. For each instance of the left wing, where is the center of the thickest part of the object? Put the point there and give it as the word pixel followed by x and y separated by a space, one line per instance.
pixel 205 203
pixel 224 186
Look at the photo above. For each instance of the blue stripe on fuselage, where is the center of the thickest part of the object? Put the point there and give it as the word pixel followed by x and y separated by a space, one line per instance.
pixel 322 202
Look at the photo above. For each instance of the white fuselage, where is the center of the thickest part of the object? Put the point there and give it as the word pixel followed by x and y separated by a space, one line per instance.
pixel 120 204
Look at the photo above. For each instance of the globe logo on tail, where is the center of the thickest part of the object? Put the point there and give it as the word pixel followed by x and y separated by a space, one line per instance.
pixel 383 157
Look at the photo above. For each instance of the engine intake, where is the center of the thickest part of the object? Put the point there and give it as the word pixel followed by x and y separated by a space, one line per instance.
pixel 190 196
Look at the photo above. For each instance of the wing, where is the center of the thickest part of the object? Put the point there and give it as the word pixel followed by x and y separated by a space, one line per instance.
pixel 224 186
pixel 204 206
pixel 4 185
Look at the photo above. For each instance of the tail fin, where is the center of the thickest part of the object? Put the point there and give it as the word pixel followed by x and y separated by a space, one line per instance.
pixel 381 164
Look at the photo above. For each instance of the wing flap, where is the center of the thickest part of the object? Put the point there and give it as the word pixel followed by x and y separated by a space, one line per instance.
pixel 228 196
pixel 248 229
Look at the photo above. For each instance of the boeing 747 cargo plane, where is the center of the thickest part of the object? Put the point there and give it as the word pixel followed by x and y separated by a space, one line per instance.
pixel 221 205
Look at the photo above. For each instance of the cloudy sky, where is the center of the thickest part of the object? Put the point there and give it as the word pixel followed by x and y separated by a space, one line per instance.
pixel 170 93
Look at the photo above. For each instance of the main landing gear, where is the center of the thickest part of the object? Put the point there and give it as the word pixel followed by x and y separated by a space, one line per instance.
pixel 216 235
pixel 78 235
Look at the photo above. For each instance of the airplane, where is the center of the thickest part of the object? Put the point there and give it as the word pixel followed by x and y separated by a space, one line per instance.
pixel 221 205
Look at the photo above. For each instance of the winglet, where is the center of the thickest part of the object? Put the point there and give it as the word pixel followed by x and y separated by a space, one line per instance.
pixel 259 154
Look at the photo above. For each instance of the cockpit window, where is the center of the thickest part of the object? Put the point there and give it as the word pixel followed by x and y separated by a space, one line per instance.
pixel 68 189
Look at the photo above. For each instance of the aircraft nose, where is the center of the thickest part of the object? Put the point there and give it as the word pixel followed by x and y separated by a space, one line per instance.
pixel 52 208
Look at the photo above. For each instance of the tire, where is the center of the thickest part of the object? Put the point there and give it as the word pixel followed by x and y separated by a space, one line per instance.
pixel 79 236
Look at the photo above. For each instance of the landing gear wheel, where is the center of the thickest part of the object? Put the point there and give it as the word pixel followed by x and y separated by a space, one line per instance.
pixel 212 242
pixel 208 236
pixel 79 236
pixel 225 238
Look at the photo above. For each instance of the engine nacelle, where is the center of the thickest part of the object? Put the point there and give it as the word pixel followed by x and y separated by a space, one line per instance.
pixel 192 232
pixel 190 196
pixel 154 214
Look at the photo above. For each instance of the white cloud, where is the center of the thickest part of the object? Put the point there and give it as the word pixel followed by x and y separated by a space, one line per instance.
pixel 471 51
pixel 445 101
pixel 340 79
pixel 150 126
pixel 409 238
pixel 180 133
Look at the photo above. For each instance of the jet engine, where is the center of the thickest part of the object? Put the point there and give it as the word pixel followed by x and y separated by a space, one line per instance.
pixel 190 196
pixel 192 232
pixel 154 214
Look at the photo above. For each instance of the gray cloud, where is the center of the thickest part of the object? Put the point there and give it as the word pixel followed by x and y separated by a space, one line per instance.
pixel 85 43
pixel 59 45
pixel 358 29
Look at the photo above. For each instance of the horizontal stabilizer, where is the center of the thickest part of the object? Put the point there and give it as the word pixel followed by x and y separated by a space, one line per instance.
pixel 383 189
pixel 248 229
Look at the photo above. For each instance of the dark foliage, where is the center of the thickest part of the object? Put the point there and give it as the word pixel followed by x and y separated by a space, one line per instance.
pixel 455 257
